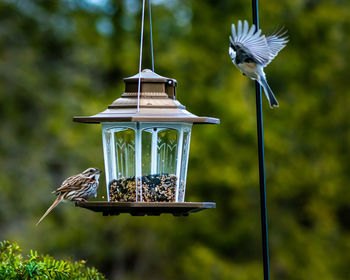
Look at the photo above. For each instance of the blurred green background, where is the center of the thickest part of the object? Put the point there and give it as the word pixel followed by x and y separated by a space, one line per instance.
pixel 59 59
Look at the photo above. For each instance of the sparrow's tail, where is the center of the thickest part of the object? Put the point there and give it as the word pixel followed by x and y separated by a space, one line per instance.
pixel 54 204
pixel 268 92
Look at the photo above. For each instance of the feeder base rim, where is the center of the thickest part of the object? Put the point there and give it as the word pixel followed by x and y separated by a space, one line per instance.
pixel 145 208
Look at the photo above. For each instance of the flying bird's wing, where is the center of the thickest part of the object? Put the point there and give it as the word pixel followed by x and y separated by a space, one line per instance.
pixel 252 40
pixel 276 42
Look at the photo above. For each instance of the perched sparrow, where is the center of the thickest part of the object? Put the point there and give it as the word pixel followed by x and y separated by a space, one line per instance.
pixel 79 187
pixel 251 51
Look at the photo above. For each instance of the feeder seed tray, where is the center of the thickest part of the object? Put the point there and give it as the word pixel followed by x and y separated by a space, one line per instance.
pixel 146 208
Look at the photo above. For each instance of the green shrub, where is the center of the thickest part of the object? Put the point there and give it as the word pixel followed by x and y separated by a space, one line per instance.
pixel 14 266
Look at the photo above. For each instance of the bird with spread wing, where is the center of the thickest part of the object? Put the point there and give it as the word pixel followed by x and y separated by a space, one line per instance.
pixel 251 51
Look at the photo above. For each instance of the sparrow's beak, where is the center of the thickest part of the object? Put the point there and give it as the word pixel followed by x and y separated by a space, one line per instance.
pixel 99 171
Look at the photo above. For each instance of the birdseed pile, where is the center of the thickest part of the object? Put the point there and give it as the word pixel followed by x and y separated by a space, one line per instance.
pixel 155 188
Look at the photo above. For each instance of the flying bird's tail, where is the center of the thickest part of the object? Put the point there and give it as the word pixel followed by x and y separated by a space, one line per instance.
pixel 54 204
pixel 268 92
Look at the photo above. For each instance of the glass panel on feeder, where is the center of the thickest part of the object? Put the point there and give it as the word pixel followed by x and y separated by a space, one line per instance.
pixel 108 138
pixel 120 155
pixel 183 166
pixel 159 164
pixel 147 151
pixel 125 153
pixel 167 144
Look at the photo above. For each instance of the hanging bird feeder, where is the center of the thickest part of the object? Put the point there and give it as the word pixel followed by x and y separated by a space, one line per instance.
pixel 146 139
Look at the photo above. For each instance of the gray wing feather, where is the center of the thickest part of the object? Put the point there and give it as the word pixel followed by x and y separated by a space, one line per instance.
pixel 239 30
pixel 231 40
pixel 251 31
pixel 262 48
pixel 256 34
pixel 255 43
pixel 276 42
pixel 245 28
pixel 233 31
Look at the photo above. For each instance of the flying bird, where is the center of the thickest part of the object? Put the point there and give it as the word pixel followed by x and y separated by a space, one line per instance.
pixel 78 187
pixel 251 51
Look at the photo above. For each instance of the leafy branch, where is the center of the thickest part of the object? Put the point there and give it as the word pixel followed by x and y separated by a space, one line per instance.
pixel 14 267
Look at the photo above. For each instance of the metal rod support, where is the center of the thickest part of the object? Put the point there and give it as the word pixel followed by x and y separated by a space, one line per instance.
pixel 151 33
pixel 140 61
pixel 260 132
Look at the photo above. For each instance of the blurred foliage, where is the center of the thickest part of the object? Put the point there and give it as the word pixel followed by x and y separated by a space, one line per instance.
pixel 14 267
pixel 64 58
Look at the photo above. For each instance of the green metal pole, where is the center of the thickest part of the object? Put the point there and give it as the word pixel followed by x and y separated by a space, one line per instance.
pixel 260 132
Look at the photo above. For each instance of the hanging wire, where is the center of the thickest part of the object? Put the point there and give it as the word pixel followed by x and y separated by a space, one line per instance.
pixel 150 28
pixel 140 63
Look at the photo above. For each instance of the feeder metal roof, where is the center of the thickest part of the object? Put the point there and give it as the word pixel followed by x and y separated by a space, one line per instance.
pixel 157 103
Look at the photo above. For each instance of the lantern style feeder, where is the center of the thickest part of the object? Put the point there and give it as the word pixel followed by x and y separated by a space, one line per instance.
pixel 146 145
